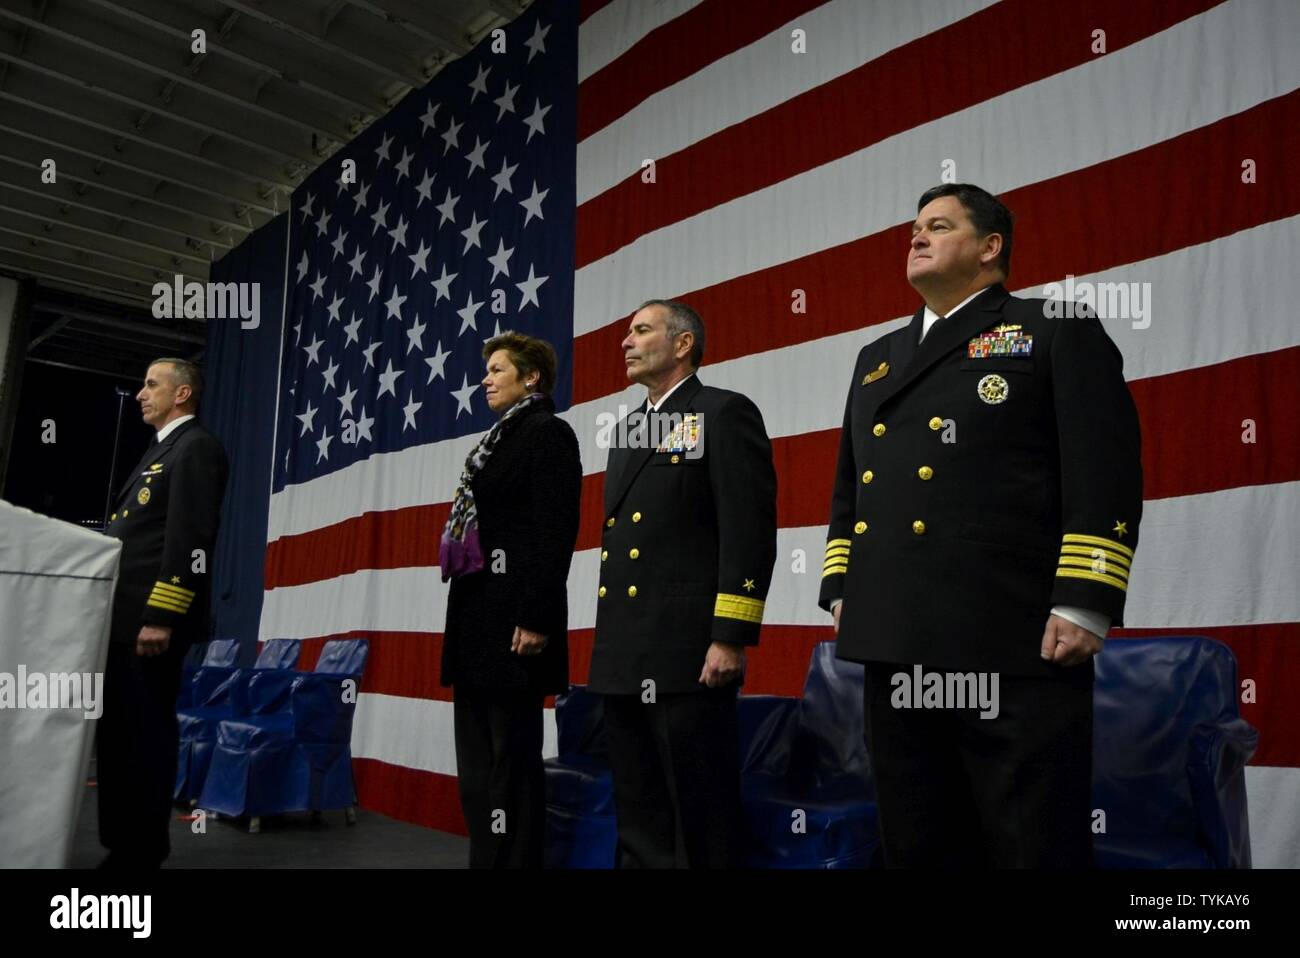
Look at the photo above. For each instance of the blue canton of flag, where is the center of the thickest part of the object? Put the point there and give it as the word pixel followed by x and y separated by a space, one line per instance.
pixel 460 224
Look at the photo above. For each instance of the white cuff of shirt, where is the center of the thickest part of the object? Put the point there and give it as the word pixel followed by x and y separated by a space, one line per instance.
pixel 834 604
pixel 1095 622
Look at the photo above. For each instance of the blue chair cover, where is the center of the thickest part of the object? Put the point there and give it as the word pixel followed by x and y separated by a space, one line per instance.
pixel 806 785
pixel 296 759
pixel 221 692
pixel 803 756
pixel 581 830
pixel 1169 753
pixel 215 652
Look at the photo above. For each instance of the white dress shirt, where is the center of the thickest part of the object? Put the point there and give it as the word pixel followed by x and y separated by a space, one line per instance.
pixel 170 428
pixel 931 317
pixel 654 407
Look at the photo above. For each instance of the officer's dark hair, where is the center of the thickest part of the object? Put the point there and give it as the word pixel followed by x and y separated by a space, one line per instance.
pixel 986 212
pixel 185 373
pixel 682 319
pixel 528 354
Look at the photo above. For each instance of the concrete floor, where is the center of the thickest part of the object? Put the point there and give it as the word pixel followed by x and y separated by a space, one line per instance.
pixel 292 841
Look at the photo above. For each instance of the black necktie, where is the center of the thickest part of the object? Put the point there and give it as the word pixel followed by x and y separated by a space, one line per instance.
pixel 926 332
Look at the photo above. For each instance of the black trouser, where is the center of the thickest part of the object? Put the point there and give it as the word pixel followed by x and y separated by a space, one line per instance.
pixel 501 778
pixel 676 766
pixel 958 791
pixel 136 753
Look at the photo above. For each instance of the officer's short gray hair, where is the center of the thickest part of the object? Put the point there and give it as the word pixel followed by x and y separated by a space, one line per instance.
pixel 682 319
pixel 185 373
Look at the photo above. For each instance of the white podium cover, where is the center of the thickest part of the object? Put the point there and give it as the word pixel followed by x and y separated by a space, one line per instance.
pixel 56 596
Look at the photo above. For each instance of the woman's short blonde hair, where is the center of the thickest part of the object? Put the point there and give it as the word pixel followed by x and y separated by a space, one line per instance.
pixel 528 354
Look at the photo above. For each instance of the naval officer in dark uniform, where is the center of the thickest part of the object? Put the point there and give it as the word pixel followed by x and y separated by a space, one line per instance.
pixel 166 515
pixel 984 521
pixel 686 559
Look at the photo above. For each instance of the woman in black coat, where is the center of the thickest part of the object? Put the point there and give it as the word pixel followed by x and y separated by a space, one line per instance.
pixel 507 549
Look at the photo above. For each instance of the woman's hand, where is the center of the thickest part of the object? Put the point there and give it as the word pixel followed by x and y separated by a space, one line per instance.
pixel 526 642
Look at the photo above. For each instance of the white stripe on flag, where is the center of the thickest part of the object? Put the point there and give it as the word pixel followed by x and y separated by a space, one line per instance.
pixel 412 599
pixel 1214 559
pixel 1271 799
pixel 1208 560
pixel 842 35
pixel 801 388
pixel 417 733
pixel 615 28
pixel 1064 118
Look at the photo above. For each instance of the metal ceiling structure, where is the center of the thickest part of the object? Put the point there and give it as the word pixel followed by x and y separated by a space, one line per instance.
pixel 168 153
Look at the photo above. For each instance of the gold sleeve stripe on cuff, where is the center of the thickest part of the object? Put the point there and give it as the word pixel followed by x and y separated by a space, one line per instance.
pixel 173 589
pixel 1070 562
pixel 1092 576
pixel 182 596
pixel 738 607
pixel 158 603
pixel 156 596
pixel 837 570
pixel 1090 552
pixel 1073 538
pixel 832 543
pixel 835 560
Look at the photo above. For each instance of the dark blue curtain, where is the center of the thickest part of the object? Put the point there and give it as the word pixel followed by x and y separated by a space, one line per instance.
pixel 241 369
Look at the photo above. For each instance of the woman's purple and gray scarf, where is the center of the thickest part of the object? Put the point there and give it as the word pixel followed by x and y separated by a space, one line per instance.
pixel 460 553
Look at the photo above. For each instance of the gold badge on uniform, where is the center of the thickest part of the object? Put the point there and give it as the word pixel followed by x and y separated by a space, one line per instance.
pixel 993 389
pixel 142 497
pixel 880 372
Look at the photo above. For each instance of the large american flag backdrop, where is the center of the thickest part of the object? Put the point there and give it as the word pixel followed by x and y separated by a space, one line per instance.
pixel 762 161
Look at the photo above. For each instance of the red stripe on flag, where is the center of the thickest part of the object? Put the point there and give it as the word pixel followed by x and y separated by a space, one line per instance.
pixel 863 283
pixel 409 663
pixel 399 663
pixel 1269 656
pixel 1213 403
pixel 816 127
pixel 673 51
pixel 392 539
pixel 1176 462
pixel 406 664
pixel 409 795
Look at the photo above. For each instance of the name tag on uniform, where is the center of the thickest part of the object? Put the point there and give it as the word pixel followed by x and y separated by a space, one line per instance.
pixel 880 372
